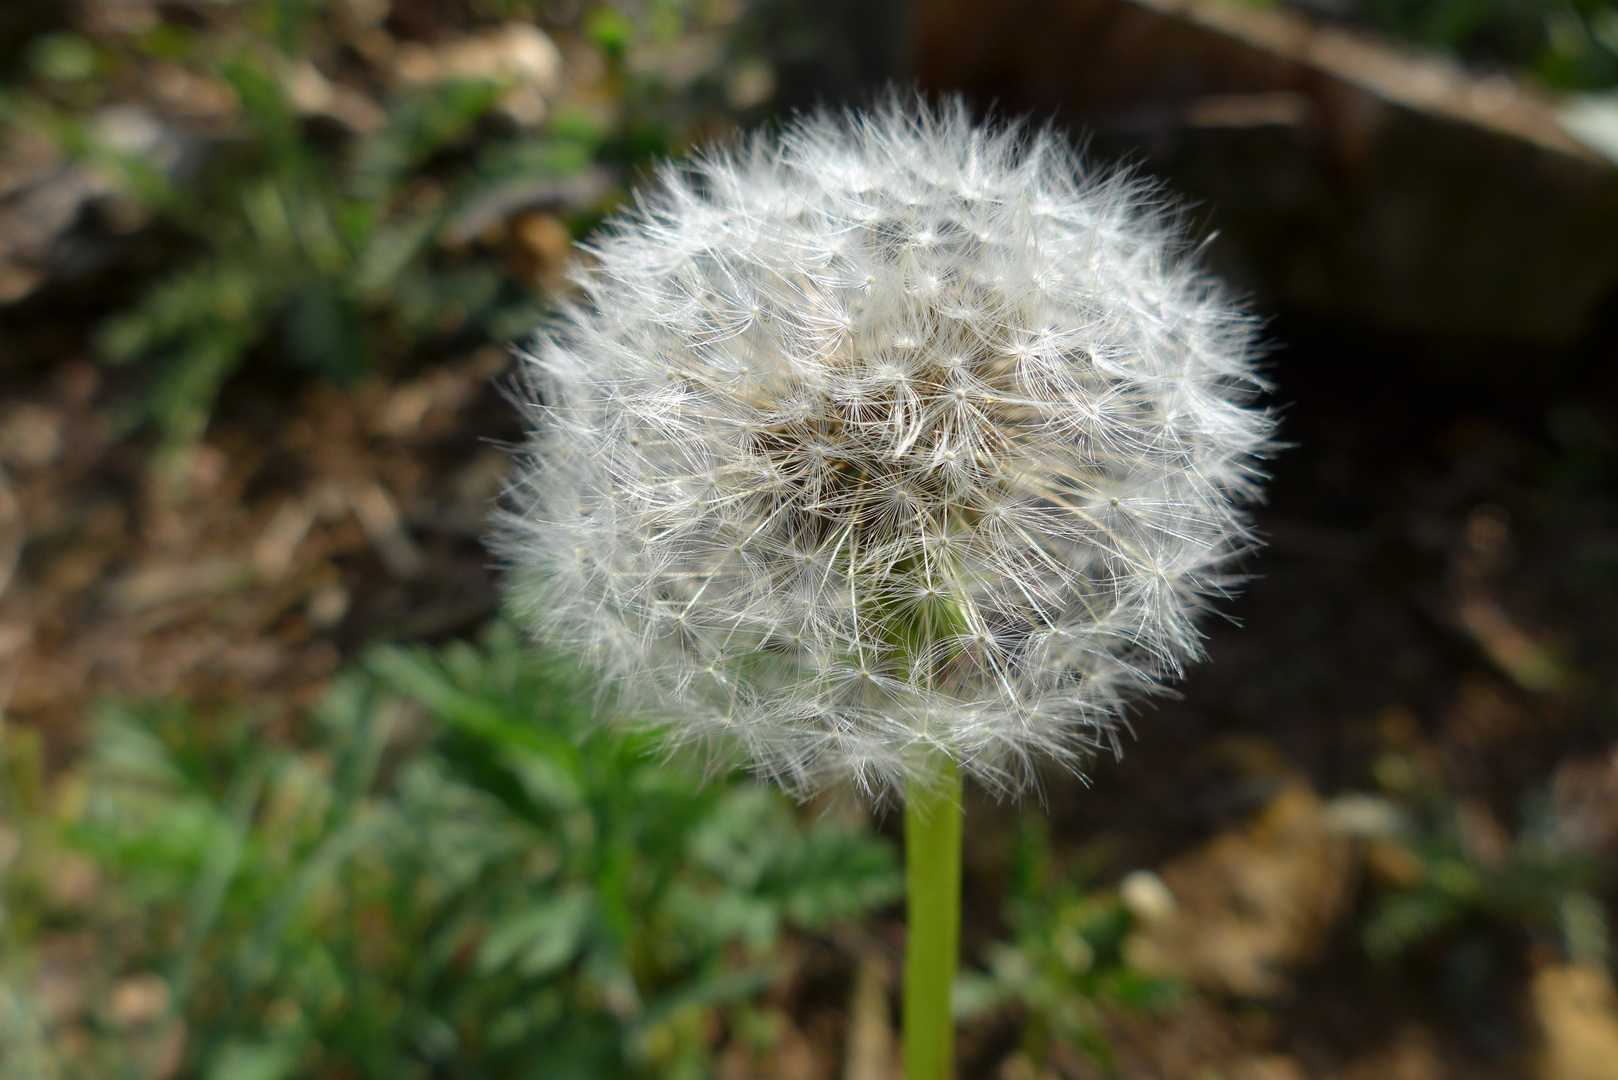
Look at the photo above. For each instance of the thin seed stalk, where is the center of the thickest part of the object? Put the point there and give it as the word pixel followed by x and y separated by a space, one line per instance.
pixel 933 919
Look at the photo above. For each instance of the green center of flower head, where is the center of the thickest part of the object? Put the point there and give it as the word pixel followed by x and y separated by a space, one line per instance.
pixel 927 633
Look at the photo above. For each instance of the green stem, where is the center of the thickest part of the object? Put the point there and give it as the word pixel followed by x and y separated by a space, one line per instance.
pixel 933 940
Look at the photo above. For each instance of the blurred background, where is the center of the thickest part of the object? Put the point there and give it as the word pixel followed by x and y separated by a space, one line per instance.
pixel 282 795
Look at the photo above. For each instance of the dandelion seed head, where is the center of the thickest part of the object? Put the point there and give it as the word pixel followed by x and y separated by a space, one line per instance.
pixel 890 436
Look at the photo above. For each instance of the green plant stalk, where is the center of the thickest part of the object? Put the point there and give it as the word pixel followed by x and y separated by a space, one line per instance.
pixel 933 919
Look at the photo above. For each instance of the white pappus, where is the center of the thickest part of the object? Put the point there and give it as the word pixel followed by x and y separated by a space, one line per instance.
pixel 891 435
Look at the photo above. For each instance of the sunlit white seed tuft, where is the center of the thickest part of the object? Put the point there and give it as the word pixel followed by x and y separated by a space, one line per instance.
pixel 891 436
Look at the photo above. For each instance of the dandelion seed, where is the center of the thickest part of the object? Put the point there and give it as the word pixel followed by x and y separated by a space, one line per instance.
pixel 935 421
